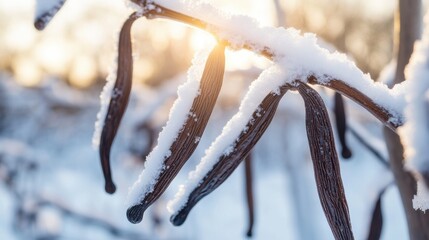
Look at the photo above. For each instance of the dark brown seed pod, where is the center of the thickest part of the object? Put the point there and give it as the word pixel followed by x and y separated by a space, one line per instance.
pixel 249 194
pixel 119 99
pixel 189 136
pixel 376 220
pixel 341 124
pixel 369 147
pixel 326 164
pixel 226 164
pixel 44 17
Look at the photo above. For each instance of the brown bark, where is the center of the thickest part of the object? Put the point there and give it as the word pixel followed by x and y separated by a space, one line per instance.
pixel 410 21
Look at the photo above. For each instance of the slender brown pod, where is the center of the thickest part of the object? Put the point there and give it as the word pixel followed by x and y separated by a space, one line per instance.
pixel 43 19
pixel 146 130
pixel 341 124
pixel 376 225
pixel 326 164
pixel 226 164
pixel 189 136
pixel 119 100
pixel 249 193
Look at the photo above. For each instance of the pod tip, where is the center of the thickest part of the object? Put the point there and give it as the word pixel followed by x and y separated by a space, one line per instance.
pixel 135 213
pixel 110 187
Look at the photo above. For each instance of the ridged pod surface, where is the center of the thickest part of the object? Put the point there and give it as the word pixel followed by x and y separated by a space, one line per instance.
pixel 226 164
pixel 188 137
pixel 325 163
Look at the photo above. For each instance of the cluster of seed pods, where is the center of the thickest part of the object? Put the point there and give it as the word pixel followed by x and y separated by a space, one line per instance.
pixel 319 130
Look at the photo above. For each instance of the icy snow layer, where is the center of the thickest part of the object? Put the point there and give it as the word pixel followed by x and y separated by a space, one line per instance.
pixel 105 97
pixel 415 132
pixel 177 117
pixel 298 54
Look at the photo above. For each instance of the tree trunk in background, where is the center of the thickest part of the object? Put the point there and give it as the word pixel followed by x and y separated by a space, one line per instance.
pixel 410 20
pixel 280 13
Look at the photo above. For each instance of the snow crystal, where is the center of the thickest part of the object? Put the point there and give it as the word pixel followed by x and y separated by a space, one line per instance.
pixel 177 118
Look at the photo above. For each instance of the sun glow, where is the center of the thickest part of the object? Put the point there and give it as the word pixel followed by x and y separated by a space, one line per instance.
pixel 200 39
pixel 244 59
pixel 235 60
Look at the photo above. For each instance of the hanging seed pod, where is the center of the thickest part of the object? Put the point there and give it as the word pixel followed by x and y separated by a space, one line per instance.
pixel 326 165
pixel 119 100
pixel 188 137
pixel 45 11
pixel 376 220
pixel 249 194
pixel 377 154
pixel 226 164
pixel 341 124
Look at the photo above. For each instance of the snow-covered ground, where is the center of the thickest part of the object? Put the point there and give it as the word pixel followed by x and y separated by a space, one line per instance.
pixel 57 186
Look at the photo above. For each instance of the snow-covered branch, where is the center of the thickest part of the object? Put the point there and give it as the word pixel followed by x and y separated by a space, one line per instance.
pixel 298 55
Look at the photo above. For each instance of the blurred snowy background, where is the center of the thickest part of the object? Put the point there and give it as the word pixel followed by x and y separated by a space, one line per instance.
pixel 51 185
